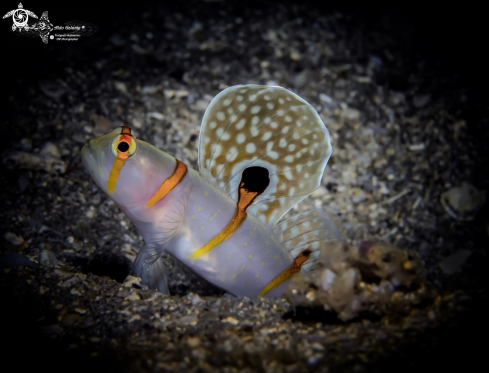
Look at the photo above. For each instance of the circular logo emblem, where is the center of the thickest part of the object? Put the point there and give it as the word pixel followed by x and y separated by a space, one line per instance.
pixel 20 18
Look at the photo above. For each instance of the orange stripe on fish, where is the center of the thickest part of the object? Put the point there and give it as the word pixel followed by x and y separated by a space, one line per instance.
pixel 170 183
pixel 289 272
pixel 121 157
pixel 245 199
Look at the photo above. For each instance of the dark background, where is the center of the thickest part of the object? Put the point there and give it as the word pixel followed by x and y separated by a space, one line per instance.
pixel 450 36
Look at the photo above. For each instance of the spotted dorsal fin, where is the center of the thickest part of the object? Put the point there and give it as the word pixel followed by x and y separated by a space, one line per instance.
pixel 270 127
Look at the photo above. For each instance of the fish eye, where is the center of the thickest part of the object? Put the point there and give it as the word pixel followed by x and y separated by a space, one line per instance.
pixel 124 145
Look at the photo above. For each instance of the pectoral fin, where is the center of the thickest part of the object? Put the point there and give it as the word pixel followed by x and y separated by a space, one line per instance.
pixel 149 263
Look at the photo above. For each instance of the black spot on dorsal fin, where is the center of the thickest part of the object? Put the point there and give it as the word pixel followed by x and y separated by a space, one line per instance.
pixel 255 179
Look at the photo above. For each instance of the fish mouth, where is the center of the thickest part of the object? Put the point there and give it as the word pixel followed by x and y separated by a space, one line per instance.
pixel 88 157
pixel 93 159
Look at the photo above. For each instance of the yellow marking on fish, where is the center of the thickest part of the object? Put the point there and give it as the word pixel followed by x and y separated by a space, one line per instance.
pixel 262 264
pixel 121 157
pixel 205 193
pixel 170 183
pixel 250 256
pixel 237 273
pixel 114 174
pixel 257 275
pixel 187 231
pixel 288 272
pixel 245 199
pixel 227 232
pixel 200 208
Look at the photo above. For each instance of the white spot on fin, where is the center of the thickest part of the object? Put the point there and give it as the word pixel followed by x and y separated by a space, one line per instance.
pixel 257 139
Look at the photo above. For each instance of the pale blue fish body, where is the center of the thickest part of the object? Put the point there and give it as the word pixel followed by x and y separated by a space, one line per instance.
pixel 241 264
pixel 217 221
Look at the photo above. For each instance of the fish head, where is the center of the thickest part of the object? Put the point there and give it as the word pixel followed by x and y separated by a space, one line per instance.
pixel 127 169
